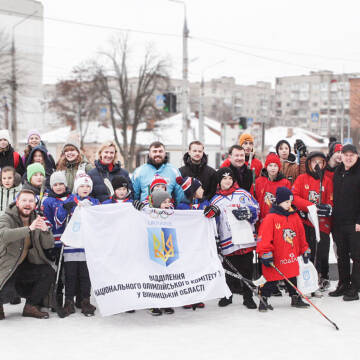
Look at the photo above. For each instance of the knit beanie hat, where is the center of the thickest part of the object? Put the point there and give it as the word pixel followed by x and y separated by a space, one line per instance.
pixel 189 185
pixel 272 159
pixel 245 137
pixel 333 148
pixel 225 171
pixel 58 177
pixel 82 178
pixel 33 132
pixel 280 143
pixel 4 134
pixel 157 197
pixel 283 194
pixel 33 169
pixel 158 180
pixel 119 181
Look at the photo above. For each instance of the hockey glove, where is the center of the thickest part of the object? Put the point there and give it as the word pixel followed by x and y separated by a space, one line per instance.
pixel 300 147
pixel 69 206
pixel 242 213
pixel 306 256
pixel 324 210
pixel 138 205
pixel 267 259
pixel 211 211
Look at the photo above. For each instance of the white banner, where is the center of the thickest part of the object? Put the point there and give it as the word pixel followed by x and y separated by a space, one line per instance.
pixel 152 258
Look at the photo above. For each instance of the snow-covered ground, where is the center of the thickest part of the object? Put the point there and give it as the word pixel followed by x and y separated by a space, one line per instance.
pixel 217 333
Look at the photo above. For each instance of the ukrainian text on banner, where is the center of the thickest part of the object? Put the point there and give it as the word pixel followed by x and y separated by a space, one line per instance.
pixel 152 258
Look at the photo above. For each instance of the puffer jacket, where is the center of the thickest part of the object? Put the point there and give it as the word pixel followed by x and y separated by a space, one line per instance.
pixel 12 239
pixel 72 169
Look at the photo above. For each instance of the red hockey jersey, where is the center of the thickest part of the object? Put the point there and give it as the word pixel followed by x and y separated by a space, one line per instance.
pixel 283 234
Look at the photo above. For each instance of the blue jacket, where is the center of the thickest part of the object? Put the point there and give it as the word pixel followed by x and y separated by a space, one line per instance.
pixel 144 175
pixel 98 174
pixel 50 209
pixel 195 205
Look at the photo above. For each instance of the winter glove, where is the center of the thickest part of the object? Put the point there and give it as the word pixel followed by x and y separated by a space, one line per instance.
pixel 138 205
pixel 211 211
pixel 306 256
pixel 324 210
pixel 300 147
pixel 267 259
pixel 69 206
pixel 242 213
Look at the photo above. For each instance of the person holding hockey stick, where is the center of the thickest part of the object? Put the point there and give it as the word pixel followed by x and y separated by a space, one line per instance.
pixel 232 199
pixel 281 241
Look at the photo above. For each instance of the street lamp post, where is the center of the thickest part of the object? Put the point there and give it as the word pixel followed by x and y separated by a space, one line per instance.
pixel 13 119
pixel 185 84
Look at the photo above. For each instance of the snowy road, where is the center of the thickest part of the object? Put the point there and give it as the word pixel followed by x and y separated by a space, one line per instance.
pixel 211 333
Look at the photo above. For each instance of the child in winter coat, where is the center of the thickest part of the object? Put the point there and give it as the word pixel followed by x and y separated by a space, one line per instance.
pixel 76 271
pixel 122 190
pixel 10 187
pixel 281 241
pixel 307 192
pixel 230 198
pixel 57 194
pixel 265 187
pixel 35 177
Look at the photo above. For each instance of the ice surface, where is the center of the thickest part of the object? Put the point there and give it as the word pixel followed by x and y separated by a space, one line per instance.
pixel 217 333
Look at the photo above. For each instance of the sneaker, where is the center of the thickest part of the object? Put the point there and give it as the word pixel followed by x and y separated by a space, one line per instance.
pixel 2 314
pixel 69 307
pixel 34 312
pixel 87 308
pixel 249 303
pixel 340 290
pixel 225 301
pixel 155 312
pixel 296 301
pixel 15 300
pixel 265 307
pixel 199 305
pixel 350 295
pixel 168 311
pixel 324 284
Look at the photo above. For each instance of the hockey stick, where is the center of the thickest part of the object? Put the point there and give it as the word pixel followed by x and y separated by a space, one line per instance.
pixel 251 285
pixel 306 298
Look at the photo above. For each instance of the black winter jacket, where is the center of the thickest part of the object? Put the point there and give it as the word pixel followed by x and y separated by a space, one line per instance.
pixel 243 176
pixel 347 195
pixel 202 172
pixel 98 174
pixel 7 159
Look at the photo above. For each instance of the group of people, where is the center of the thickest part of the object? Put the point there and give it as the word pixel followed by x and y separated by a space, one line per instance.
pixel 39 196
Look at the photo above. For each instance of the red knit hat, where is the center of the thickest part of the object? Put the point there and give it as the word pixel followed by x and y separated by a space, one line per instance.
pixel 158 180
pixel 272 158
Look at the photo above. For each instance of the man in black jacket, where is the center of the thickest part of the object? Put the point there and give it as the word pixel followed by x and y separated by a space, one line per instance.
pixel 195 161
pixel 242 173
pixel 346 223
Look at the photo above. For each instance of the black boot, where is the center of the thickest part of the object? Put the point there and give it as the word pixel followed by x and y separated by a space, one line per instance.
pixel 340 290
pixel 296 301
pixel 351 294
pixel 249 302
pixel 225 301
pixel 86 308
pixel 16 300
pixel 69 307
pixel 266 306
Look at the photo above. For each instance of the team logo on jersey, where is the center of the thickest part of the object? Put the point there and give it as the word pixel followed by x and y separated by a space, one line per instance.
pixel 269 198
pixel 163 247
pixel 313 196
pixel 277 226
pixel 288 236
pixel 306 186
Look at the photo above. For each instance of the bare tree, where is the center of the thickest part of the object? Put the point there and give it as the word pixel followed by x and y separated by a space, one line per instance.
pixel 76 100
pixel 131 100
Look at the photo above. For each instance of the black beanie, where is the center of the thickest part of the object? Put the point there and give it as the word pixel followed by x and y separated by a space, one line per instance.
pixel 283 194
pixel 119 181
pixel 280 143
pixel 225 171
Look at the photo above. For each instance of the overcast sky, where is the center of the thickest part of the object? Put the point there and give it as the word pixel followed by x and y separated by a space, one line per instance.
pixel 256 39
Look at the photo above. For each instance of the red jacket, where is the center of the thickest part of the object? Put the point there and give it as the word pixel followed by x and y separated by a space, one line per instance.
pixel 265 192
pixel 283 234
pixel 306 190
pixel 256 164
